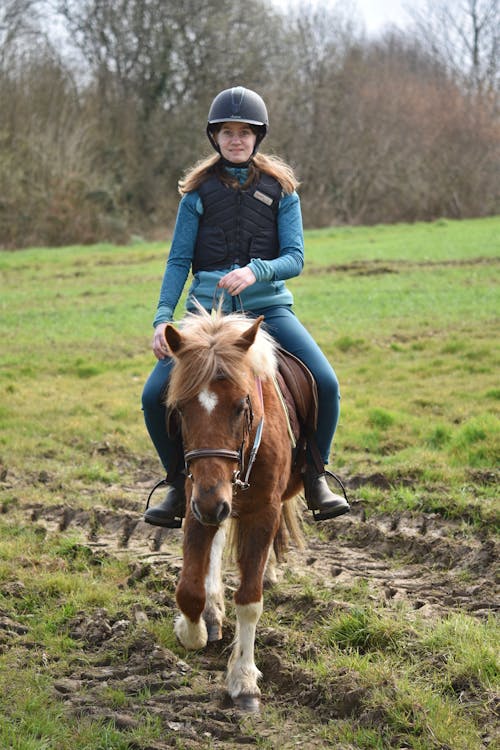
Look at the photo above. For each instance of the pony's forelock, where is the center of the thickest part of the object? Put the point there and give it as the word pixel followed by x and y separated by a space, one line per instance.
pixel 210 350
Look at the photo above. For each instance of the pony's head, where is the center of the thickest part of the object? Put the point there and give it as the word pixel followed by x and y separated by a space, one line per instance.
pixel 213 387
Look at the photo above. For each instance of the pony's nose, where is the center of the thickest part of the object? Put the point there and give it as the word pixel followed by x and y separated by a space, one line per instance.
pixel 213 516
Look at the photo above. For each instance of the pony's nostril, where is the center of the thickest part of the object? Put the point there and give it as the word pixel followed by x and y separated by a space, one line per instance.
pixel 223 511
pixel 196 510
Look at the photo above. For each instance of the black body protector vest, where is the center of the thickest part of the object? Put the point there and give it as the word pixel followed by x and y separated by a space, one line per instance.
pixel 237 225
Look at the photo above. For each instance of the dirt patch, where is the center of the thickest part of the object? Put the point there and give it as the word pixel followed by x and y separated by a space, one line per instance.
pixel 375 267
pixel 126 669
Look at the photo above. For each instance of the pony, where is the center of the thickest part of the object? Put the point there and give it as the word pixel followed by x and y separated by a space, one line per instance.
pixel 240 469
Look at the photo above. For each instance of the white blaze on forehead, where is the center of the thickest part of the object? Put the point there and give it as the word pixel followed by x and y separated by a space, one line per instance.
pixel 208 400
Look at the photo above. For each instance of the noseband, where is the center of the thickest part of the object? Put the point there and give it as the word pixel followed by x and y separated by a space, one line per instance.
pixel 238 455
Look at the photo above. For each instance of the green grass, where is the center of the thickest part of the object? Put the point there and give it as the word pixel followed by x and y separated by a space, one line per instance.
pixel 412 680
pixel 408 316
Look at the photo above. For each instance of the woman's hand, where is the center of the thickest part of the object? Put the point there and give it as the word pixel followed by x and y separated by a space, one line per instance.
pixel 160 346
pixel 238 280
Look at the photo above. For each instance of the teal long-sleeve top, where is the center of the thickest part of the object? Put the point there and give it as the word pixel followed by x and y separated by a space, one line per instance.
pixel 269 288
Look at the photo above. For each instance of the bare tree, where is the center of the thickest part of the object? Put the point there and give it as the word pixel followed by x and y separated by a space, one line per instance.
pixel 18 24
pixel 466 35
pixel 101 116
pixel 154 65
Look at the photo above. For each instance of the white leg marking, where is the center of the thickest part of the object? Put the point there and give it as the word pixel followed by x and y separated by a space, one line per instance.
pixel 208 400
pixel 214 611
pixel 192 635
pixel 242 674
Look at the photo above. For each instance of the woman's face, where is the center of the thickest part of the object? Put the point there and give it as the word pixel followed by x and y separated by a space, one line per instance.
pixel 236 141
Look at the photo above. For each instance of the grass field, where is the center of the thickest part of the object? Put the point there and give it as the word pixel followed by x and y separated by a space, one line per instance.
pixel 408 316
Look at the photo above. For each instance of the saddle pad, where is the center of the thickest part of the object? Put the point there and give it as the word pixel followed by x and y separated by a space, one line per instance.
pixel 301 388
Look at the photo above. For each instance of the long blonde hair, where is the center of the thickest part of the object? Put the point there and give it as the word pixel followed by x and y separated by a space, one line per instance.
pixel 271 165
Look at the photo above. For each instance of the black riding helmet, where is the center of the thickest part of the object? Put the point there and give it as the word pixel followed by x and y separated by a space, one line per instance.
pixel 238 104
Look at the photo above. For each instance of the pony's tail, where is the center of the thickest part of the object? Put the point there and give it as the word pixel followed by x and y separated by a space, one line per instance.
pixel 290 528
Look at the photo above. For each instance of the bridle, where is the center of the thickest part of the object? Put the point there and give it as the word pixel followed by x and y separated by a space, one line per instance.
pixel 236 455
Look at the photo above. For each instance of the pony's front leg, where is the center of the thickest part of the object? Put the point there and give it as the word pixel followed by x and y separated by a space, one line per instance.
pixel 214 611
pixel 242 673
pixel 190 627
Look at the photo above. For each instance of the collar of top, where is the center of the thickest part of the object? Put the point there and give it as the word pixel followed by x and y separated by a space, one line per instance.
pixel 240 172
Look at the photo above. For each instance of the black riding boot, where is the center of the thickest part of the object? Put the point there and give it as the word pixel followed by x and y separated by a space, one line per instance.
pixel 170 512
pixel 320 499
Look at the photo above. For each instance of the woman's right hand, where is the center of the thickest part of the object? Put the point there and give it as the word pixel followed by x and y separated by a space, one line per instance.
pixel 160 346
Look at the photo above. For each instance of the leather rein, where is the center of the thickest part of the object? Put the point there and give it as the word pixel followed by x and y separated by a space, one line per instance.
pixel 238 455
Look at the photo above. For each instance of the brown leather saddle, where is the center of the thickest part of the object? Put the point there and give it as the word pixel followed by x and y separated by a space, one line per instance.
pixel 298 388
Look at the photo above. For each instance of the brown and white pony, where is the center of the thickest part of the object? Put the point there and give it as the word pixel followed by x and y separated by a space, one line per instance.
pixel 238 457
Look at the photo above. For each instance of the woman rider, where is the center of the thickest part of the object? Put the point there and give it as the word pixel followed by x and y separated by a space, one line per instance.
pixel 239 229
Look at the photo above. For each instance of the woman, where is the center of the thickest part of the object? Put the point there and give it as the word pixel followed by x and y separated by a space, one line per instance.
pixel 239 228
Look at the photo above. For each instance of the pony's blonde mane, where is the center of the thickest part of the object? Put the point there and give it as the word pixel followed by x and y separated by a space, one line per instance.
pixel 210 351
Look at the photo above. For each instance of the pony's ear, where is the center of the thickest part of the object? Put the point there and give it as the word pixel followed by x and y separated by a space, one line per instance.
pixel 248 337
pixel 173 338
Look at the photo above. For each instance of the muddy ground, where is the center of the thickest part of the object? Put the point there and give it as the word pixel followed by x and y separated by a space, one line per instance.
pixel 422 559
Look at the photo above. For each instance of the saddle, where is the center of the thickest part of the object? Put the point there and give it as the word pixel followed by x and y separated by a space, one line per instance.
pixel 300 396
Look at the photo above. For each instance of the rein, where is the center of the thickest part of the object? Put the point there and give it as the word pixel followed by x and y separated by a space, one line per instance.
pixel 238 455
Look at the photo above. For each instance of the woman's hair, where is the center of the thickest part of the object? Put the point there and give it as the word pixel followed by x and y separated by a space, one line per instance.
pixel 271 165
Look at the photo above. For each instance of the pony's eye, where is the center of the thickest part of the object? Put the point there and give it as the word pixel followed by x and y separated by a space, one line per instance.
pixel 241 406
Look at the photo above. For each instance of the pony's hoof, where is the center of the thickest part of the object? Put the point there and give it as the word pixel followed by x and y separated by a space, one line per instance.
pixel 250 704
pixel 214 632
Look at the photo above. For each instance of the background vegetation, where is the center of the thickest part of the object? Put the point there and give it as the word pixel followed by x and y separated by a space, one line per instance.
pixel 103 106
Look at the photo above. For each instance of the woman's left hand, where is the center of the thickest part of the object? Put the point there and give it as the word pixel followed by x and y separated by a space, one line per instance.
pixel 238 280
